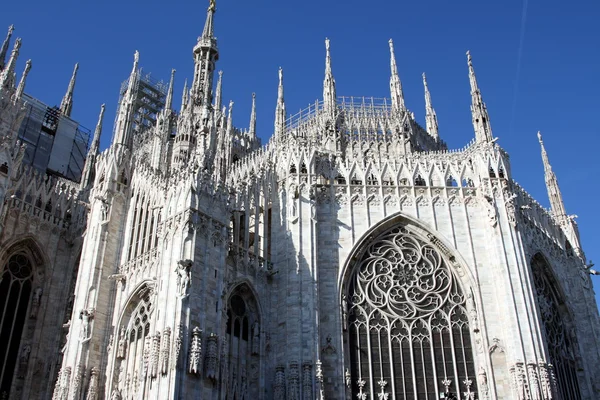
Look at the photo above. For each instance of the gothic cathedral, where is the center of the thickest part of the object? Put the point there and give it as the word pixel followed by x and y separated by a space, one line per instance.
pixel 353 256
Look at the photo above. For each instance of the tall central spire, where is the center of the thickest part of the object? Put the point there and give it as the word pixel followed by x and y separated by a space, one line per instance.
pixel 395 84
pixel 481 119
pixel 205 56
pixel 329 96
pixel 66 105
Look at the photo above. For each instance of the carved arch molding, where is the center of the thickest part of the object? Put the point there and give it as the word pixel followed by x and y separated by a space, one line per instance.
pixel 406 320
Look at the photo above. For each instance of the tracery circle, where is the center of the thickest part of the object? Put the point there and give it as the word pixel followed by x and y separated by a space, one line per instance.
pixel 403 276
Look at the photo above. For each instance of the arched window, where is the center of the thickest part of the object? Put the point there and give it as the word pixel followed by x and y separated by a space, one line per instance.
pixel 406 321
pixel 15 292
pixel 562 343
pixel 134 347
pixel 242 349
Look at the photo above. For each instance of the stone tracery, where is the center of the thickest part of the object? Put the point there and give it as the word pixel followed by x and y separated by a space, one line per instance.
pixel 405 306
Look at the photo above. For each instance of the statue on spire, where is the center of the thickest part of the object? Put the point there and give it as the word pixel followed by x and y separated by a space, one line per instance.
pixel 329 94
pixel 212 7
pixel 481 119
pixel 5 45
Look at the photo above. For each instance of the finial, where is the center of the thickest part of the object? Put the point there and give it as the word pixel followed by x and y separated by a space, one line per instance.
pixel 136 59
pixel 169 100
pixel 329 94
pixel 280 91
pixel 132 76
pixel 229 117
pixel 5 45
pixel 21 87
pixel 219 91
pixel 430 115
pixel 472 78
pixel 556 201
pixel 184 95
pixel 327 57
pixel 207 32
pixel 395 85
pixel 7 74
pixel 253 116
pixel 66 104
pixel 98 130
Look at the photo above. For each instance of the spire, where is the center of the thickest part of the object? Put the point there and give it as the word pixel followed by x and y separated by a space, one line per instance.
pixel 329 96
pixel 253 117
pixel 169 101
pixel 7 74
pixel 125 112
pixel 430 116
pixel 4 48
pixel 66 105
pixel 21 87
pixel 280 110
pixel 395 84
pixel 184 96
pixel 208 31
pixel 97 132
pixel 556 200
pixel 481 119
pixel 133 75
pixel 230 116
pixel 205 56
pixel 219 92
pixel 87 175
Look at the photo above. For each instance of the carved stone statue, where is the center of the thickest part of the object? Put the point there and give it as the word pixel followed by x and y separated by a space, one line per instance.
pixel 472 312
pixel 35 302
pixel 24 360
pixel 255 338
pixel 86 317
pixel 115 395
pixel 121 347
pixel 183 271
pixel 212 6
pixel 482 381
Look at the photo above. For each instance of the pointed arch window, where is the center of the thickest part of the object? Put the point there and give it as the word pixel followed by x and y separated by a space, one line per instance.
pixel 134 349
pixel 242 349
pixel 406 322
pixel 561 341
pixel 15 292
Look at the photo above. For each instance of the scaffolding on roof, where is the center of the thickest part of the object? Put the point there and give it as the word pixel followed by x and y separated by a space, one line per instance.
pixel 150 97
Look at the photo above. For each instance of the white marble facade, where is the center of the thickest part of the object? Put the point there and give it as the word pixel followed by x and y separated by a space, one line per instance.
pixel 352 256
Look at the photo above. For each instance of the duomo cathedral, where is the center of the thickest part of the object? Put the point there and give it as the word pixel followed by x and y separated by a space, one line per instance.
pixel 353 256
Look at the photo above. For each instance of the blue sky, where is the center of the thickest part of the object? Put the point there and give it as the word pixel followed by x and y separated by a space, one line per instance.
pixel 543 77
